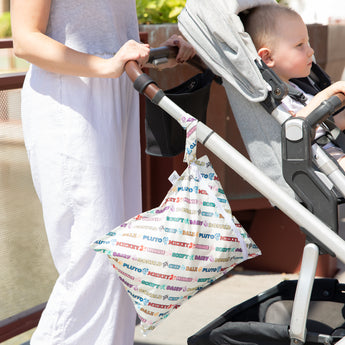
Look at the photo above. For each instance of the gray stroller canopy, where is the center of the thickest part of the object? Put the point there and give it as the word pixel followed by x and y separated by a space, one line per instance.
pixel 217 34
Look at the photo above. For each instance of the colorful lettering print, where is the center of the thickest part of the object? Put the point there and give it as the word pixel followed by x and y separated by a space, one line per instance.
pixel 166 255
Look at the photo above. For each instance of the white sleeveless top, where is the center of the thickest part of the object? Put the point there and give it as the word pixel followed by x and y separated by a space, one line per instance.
pixel 93 26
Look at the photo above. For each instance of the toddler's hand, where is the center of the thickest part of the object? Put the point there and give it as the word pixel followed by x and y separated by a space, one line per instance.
pixel 338 87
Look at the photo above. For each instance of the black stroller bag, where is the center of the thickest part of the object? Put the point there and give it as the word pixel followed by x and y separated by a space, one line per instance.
pixel 264 319
pixel 164 135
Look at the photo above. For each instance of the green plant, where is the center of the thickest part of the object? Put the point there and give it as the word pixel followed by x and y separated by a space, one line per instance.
pixel 5 25
pixel 159 11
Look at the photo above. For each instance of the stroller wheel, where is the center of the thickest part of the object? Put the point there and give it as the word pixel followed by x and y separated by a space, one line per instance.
pixel 338 332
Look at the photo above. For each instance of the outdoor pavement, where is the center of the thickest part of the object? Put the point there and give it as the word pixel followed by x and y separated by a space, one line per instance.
pixel 216 299
pixel 211 303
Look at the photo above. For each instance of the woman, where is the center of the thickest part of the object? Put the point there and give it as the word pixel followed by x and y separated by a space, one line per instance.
pixel 81 130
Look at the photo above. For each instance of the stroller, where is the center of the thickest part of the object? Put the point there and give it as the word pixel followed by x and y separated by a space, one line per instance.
pixel 307 311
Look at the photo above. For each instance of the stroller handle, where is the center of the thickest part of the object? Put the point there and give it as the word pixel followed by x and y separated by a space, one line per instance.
pixel 171 52
pixel 162 52
pixel 325 109
pixel 143 83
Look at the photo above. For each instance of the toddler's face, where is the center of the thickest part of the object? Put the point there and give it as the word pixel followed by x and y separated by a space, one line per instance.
pixel 291 53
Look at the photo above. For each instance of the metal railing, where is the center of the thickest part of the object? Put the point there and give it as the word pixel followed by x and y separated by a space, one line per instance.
pixel 20 323
pixel 9 81
pixel 27 319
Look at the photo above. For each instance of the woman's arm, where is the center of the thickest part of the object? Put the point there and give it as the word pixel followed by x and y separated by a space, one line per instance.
pixel 29 22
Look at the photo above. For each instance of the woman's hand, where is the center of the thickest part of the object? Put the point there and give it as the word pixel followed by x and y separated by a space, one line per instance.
pixel 130 51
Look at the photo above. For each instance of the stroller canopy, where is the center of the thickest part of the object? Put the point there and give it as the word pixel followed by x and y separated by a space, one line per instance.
pixel 217 34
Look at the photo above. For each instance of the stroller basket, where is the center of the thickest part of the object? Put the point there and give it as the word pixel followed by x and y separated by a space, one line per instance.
pixel 265 318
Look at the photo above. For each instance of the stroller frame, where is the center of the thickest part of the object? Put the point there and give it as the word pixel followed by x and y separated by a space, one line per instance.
pixel 296 133
pixel 311 224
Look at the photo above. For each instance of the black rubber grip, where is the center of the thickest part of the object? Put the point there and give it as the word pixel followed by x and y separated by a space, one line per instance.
pixel 141 83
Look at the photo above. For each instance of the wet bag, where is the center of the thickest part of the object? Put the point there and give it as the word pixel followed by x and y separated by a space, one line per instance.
pixel 166 255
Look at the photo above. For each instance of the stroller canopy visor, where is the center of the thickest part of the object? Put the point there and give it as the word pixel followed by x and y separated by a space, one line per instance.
pixel 216 32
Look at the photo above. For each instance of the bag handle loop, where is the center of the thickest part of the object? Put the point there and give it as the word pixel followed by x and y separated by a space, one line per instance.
pixel 189 124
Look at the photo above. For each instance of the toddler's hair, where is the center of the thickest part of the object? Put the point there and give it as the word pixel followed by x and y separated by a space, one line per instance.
pixel 261 23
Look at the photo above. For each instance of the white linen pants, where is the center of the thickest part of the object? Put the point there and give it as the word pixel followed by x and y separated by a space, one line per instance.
pixel 82 138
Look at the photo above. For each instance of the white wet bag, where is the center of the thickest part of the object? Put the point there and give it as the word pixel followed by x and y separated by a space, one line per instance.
pixel 166 255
